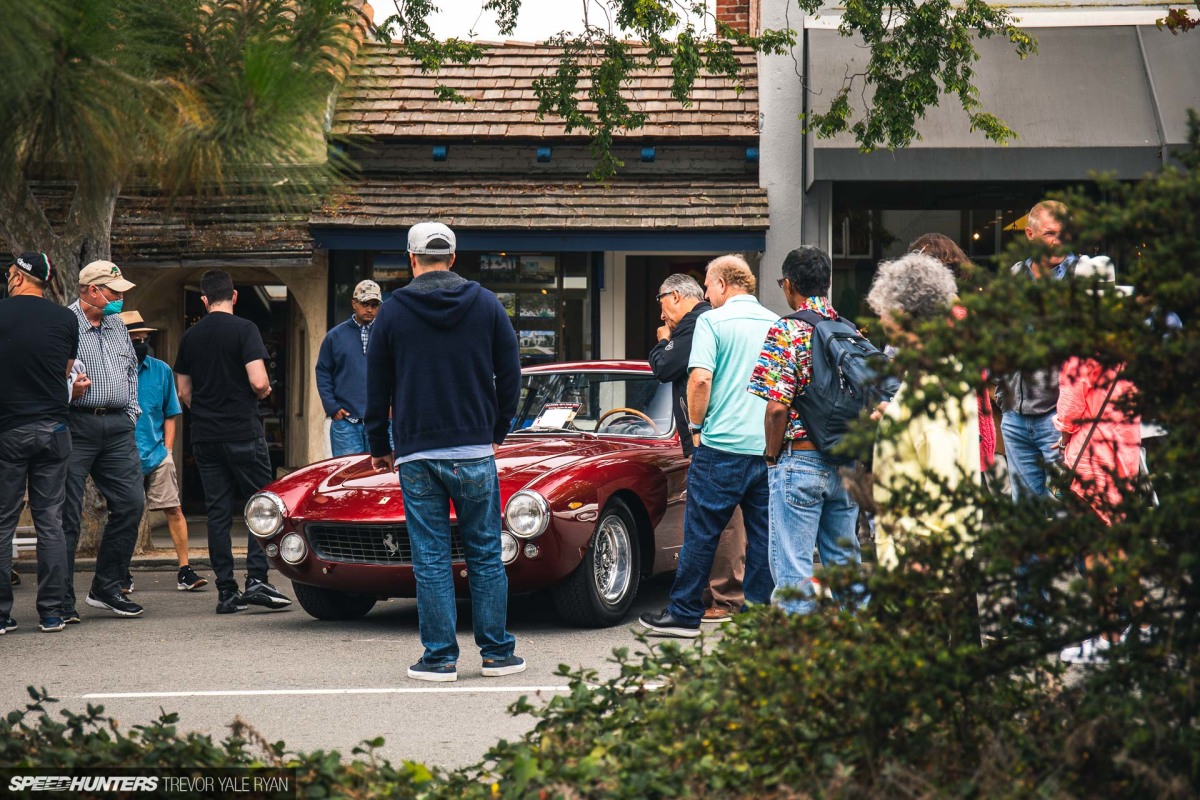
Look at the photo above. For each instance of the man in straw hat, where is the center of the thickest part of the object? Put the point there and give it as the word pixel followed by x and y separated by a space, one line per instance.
pixel 156 442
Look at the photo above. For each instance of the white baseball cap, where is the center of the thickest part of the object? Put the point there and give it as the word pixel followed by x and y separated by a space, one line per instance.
pixel 430 239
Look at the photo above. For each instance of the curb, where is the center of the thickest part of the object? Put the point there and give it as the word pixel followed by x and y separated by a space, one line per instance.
pixel 158 563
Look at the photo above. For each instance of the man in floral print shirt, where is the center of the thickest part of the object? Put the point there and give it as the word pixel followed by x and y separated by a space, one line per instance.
pixel 809 502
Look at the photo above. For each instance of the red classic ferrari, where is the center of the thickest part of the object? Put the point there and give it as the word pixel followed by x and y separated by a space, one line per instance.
pixel 592 486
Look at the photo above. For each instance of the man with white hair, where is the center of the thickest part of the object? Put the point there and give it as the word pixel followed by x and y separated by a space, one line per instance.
pixel 727 469
pixel 681 301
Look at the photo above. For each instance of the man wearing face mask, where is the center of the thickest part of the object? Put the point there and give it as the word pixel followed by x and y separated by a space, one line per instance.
pixel 156 442
pixel 103 418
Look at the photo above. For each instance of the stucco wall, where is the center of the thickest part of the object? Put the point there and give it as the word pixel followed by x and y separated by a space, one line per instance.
pixel 159 296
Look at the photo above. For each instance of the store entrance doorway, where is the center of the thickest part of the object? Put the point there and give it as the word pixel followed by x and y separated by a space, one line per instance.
pixel 268 307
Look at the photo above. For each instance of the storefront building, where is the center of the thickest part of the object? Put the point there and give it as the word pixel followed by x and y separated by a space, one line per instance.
pixel 1107 92
pixel 576 262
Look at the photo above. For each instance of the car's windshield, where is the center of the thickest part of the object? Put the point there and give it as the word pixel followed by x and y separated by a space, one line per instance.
pixel 597 402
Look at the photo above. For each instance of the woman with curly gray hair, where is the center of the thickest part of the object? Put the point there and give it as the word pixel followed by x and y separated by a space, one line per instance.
pixel 927 448
pixel 945 442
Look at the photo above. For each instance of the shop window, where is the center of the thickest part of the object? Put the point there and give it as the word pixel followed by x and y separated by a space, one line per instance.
pixel 545 295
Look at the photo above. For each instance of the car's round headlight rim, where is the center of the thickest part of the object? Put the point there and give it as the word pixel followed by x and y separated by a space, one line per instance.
pixel 509 548
pixel 292 548
pixel 275 504
pixel 527 500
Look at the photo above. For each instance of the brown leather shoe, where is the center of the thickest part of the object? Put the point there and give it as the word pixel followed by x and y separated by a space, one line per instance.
pixel 716 615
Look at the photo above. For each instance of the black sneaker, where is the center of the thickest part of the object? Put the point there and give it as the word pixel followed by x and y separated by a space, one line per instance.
pixel 664 624
pixel 189 581
pixel 15 578
pixel 71 616
pixel 230 601
pixel 51 624
pixel 260 593
pixel 495 667
pixel 114 602
pixel 127 585
pixel 7 625
pixel 440 673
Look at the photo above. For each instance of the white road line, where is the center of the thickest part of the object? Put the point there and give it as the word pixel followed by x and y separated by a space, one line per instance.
pixel 284 692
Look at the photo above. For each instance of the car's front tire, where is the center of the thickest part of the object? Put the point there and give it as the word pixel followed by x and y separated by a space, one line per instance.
pixel 599 593
pixel 330 604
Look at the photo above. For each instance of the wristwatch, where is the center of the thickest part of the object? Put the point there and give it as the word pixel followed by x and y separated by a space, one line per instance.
pixel 770 459
pixel 694 428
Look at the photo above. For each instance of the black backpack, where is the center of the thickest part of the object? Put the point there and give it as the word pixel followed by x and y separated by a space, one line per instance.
pixel 848 376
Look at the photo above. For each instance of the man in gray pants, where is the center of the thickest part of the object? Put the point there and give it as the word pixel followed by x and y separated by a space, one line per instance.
pixel 38 340
pixel 103 420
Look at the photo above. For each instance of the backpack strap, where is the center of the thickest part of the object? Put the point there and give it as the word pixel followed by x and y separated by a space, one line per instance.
pixel 809 316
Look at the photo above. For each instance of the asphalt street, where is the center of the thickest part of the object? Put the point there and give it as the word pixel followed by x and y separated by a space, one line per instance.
pixel 315 685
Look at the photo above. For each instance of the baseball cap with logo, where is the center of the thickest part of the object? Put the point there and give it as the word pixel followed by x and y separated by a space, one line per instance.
pixel 36 264
pixel 104 273
pixel 430 239
pixel 367 290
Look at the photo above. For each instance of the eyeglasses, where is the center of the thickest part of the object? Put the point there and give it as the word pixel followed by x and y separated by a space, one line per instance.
pixel 658 297
pixel 780 282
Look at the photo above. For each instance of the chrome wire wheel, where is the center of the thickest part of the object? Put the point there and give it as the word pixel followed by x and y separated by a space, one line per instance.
pixel 613 563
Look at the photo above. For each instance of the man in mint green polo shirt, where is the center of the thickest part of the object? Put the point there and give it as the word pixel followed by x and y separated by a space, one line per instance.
pixel 727 468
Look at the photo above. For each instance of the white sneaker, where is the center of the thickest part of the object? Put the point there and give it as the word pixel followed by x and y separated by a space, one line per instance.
pixel 1090 651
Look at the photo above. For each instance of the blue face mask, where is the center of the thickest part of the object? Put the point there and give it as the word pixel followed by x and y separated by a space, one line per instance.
pixel 112 307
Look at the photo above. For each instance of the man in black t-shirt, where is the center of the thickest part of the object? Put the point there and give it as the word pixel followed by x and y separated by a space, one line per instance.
pixel 39 341
pixel 221 375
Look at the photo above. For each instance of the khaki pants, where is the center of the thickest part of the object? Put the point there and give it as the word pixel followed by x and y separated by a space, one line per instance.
pixel 729 566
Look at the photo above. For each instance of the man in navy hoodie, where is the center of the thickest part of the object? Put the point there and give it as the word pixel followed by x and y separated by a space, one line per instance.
pixel 443 360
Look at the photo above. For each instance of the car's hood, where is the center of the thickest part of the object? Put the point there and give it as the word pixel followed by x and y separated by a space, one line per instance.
pixel 355 491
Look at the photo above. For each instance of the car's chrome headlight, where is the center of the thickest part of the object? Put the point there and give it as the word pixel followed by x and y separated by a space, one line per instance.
pixel 508 548
pixel 527 514
pixel 264 514
pixel 293 549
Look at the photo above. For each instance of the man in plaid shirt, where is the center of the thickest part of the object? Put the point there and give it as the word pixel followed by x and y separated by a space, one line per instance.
pixel 104 413
pixel 809 502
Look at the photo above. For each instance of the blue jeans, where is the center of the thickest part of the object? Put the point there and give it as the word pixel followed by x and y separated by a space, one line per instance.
pixel 1028 445
pixel 428 487
pixel 810 507
pixel 717 483
pixel 347 438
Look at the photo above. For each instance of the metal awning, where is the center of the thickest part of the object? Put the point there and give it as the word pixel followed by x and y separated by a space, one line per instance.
pixel 1094 99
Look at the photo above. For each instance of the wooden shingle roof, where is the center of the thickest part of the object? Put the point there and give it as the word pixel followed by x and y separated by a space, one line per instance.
pixel 388 96
pixel 520 204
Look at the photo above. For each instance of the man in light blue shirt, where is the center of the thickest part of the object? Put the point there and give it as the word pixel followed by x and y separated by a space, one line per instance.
pixel 727 467
pixel 155 434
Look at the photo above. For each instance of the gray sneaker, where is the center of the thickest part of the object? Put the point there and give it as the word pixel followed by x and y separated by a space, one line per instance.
pixel 260 593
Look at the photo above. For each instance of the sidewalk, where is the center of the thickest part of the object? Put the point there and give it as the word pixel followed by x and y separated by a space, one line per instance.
pixel 161 557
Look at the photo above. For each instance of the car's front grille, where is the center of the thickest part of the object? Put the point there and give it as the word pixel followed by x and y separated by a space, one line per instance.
pixel 352 543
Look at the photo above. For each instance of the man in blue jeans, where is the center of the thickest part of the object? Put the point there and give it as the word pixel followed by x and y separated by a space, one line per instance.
pixel 1029 399
pixel 444 363
pixel 342 372
pixel 809 502
pixel 727 467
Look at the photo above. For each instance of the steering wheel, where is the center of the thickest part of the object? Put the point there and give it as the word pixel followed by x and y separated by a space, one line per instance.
pixel 630 411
